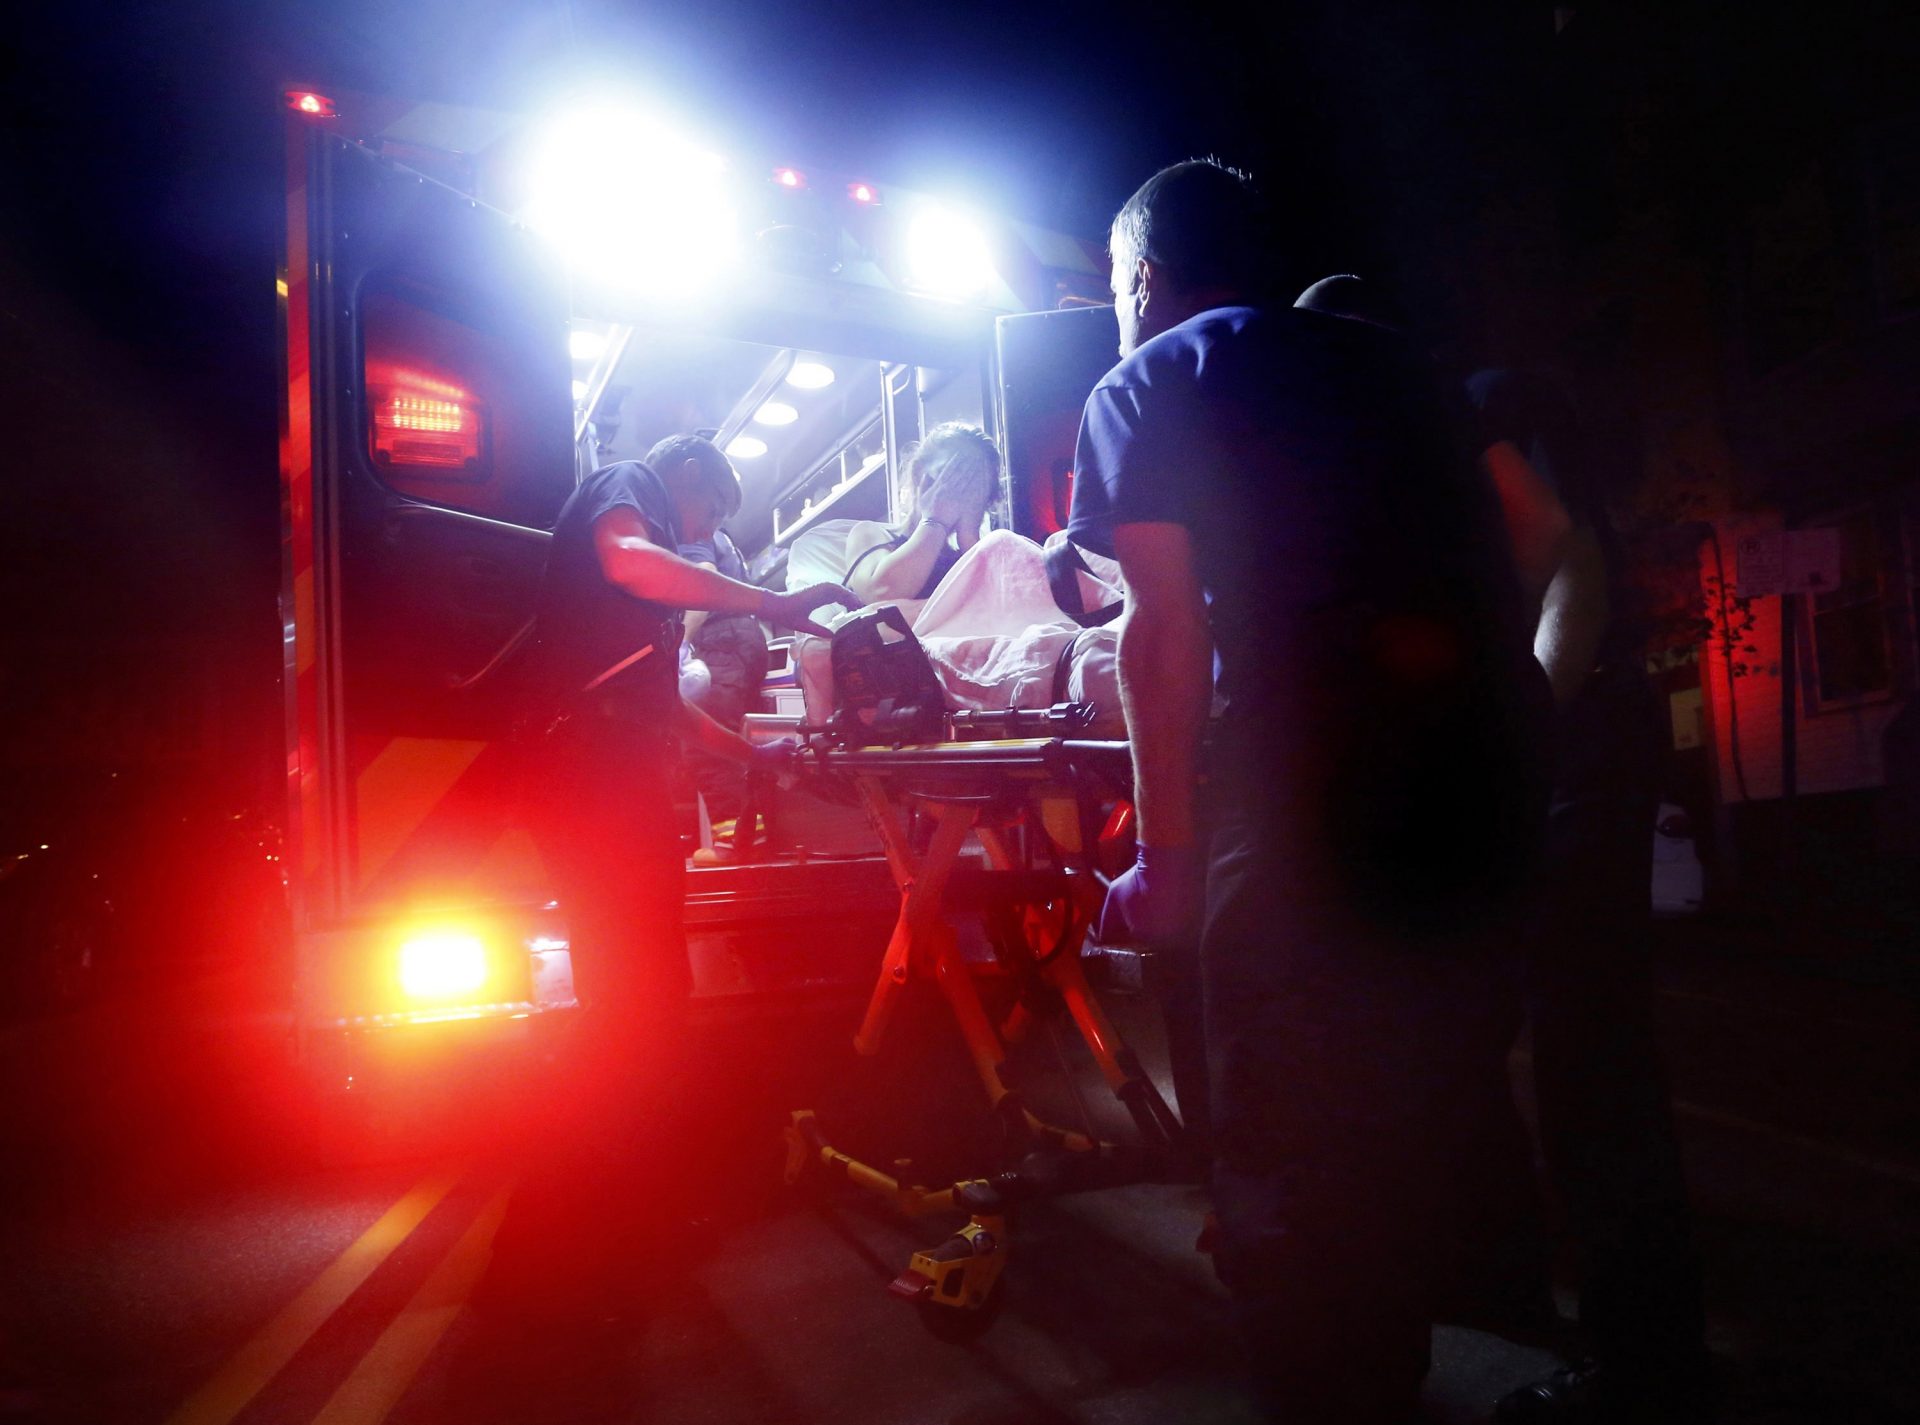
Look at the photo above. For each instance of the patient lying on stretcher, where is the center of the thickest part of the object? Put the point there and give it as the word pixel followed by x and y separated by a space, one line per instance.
pixel 997 637
pixel 1005 622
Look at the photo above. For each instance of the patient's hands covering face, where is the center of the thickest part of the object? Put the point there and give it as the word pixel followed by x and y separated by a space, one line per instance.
pixel 959 500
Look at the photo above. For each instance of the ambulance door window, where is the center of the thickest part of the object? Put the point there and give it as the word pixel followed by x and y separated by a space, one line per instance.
pixel 449 416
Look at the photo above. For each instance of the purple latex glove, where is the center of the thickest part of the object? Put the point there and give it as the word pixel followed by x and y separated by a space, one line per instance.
pixel 1157 900
pixel 773 759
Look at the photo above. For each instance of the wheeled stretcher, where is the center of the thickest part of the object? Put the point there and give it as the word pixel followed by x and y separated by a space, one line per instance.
pixel 1039 809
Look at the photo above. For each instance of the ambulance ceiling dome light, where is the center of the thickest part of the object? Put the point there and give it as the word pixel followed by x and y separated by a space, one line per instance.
pixel 776 413
pixel 746 447
pixel 810 375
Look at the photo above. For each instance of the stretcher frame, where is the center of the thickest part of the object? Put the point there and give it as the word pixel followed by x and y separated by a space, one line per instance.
pixel 984 790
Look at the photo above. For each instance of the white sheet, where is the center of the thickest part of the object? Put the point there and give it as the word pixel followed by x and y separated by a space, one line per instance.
pixel 994 636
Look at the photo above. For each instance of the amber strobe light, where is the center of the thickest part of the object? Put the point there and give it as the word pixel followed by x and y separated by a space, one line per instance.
pixel 443 965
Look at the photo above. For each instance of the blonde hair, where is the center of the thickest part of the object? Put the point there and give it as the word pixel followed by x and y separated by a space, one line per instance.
pixel 947 450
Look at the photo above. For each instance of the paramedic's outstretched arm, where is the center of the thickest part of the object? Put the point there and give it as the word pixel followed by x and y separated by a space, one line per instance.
pixel 1574 616
pixel 630 560
pixel 1539 529
pixel 1166 687
pixel 696 617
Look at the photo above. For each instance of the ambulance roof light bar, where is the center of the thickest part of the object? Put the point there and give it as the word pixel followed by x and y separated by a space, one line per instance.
pixel 631 203
pixel 947 253
pixel 311 104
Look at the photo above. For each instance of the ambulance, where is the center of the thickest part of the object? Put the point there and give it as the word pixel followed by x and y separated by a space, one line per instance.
pixel 477 310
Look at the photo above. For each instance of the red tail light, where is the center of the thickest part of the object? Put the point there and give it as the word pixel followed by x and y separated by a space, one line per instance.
pixel 789 178
pixel 424 422
pixel 863 193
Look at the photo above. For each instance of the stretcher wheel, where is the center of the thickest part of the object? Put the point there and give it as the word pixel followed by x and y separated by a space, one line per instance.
pixel 958 1325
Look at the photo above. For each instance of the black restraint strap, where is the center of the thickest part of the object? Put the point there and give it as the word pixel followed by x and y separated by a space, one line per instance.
pixel 1063 669
pixel 1064 568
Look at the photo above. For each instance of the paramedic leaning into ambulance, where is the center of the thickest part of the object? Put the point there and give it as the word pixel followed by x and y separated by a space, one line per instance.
pixel 954 474
pixel 1303 540
pixel 599 804
pixel 608 639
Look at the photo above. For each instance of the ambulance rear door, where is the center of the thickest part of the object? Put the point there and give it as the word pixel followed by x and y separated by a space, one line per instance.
pixel 1048 364
pixel 426 450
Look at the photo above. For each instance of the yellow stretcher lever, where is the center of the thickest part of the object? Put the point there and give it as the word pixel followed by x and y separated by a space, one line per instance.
pixel 961 1271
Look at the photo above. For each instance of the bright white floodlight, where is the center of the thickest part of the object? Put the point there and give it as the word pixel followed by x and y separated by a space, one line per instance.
pixel 810 375
pixel 632 204
pixel 746 447
pixel 586 345
pixel 947 254
pixel 579 390
pixel 775 413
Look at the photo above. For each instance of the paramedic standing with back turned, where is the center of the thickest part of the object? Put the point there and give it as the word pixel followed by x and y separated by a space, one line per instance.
pixel 1286 498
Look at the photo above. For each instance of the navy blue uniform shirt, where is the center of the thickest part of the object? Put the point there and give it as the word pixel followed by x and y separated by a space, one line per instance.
pixel 1316 465
pixel 588 626
pixel 1366 620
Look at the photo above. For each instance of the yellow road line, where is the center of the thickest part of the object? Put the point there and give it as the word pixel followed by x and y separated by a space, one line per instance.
pixel 257 1362
pixel 385 1372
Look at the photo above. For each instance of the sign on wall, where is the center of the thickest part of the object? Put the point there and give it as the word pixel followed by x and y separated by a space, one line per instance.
pixel 1796 561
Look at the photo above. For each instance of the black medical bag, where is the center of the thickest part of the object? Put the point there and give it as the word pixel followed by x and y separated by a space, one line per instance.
pixel 884 689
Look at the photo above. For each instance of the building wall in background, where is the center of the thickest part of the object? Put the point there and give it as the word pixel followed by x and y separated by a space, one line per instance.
pixel 1838 747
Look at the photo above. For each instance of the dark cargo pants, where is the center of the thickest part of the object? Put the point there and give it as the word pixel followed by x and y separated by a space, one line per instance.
pixel 604 1130
pixel 1606 1122
pixel 1354 1080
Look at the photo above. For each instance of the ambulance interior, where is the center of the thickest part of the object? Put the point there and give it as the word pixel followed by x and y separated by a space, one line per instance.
pixel 814 368
pixel 447 581
pixel 442 450
pixel 814 434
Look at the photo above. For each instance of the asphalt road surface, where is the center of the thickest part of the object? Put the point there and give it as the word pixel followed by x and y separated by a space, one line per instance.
pixel 185 1237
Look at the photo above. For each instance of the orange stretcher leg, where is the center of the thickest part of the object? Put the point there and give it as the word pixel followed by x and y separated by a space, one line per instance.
pixel 919 924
